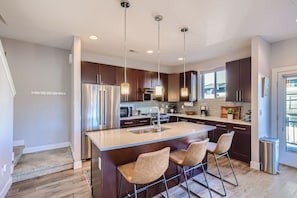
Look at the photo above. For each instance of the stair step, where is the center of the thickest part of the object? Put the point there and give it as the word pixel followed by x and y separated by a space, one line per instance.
pixel 18 152
pixel 37 164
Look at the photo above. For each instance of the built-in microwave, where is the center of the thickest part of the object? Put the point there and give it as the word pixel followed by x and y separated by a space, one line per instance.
pixel 126 110
pixel 148 94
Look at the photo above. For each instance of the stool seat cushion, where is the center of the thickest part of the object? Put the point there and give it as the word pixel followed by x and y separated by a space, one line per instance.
pixel 211 146
pixel 127 171
pixel 178 156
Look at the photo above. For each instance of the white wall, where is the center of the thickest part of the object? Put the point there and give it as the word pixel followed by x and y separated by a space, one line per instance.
pixel 75 134
pixel 214 63
pixel 261 53
pixel 283 53
pixel 7 92
pixel 42 121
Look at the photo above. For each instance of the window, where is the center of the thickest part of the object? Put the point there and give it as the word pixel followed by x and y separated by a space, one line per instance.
pixel 213 84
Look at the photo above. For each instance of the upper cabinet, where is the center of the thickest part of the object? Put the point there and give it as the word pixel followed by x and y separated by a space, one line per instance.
pixel 238 80
pixel 173 87
pixel 98 73
pixel 191 84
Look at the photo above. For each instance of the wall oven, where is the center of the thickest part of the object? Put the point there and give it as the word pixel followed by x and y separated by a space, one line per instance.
pixel 126 110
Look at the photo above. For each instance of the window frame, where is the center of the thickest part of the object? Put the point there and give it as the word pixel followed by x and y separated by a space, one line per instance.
pixel 201 82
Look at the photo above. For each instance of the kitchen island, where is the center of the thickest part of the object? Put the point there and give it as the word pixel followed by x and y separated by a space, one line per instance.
pixel 114 147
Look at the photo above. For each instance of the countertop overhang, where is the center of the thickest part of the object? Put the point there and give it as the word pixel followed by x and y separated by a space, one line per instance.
pixel 121 138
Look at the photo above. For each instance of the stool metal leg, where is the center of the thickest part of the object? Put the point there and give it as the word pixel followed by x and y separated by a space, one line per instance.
pixel 166 187
pixel 206 180
pixel 120 188
pixel 232 170
pixel 135 191
pixel 186 180
pixel 220 175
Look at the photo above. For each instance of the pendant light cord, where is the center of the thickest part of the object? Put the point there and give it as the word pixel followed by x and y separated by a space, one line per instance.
pixel 184 59
pixel 125 46
pixel 159 52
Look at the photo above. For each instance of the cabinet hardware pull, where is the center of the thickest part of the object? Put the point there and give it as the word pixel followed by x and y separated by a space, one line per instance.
pixel 97 78
pixel 239 128
pixel 128 122
pixel 143 121
pixel 198 122
pixel 236 95
pixel 220 125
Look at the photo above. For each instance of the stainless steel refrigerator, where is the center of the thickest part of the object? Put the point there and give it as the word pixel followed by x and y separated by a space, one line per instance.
pixel 100 110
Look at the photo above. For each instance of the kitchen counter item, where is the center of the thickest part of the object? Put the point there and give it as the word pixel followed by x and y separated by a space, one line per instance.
pixel 190 112
pixel 236 111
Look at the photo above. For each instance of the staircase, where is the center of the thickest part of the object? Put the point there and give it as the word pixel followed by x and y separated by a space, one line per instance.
pixel 32 165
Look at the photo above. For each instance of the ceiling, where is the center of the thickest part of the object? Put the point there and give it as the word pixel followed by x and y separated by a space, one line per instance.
pixel 216 27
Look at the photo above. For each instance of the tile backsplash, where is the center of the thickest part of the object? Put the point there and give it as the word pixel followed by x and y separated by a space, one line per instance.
pixel 214 106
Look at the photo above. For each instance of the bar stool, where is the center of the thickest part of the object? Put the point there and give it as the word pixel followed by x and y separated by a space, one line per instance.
pixel 219 150
pixel 192 157
pixel 148 168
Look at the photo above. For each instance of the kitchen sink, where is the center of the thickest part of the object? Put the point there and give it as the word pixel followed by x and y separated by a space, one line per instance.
pixel 147 130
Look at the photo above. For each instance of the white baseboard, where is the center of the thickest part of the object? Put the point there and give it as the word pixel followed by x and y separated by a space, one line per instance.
pixel 18 143
pixel 255 165
pixel 6 188
pixel 77 164
pixel 45 147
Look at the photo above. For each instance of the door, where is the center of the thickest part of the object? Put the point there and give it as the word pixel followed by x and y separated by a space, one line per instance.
pixel 110 106
pixel 287 117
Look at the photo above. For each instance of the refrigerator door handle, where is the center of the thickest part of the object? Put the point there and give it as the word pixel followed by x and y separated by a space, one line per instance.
pixel 101 109
pixel 104 93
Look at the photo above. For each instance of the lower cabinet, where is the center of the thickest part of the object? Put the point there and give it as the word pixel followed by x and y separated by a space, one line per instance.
pixel 172 119
pixel 135 122
pixel 241 145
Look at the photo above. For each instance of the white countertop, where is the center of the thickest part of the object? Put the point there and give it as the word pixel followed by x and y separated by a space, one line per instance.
pixel 212 118
pixel 121 138
pixel 135 117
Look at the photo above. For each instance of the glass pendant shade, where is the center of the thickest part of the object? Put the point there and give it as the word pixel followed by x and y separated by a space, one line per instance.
pixel 159 90
pixel 184 92
pixel 125 88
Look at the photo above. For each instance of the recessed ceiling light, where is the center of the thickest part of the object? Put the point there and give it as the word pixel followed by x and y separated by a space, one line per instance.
pixel 180 58
pixel 296 20
pixel 149 51
pixel 93 37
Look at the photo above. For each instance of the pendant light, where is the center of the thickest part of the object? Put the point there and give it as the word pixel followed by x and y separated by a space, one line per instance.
pixel 159 88
pixel 125 87
pixel 184 90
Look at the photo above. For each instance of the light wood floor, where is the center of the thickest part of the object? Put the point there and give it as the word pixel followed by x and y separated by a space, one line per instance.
pixel 252 184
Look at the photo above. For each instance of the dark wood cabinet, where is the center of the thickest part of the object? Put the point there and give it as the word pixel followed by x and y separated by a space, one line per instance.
pixel 238 80
pixel 241 145
pixel 135 122
pixel 191 84
pixel 172 119
pixel 173 87
pixel 98 73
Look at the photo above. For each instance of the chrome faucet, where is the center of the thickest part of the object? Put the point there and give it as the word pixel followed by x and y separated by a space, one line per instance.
pixel 158 119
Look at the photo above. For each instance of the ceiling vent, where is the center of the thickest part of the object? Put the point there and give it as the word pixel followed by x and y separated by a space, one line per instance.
pixel 2 20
